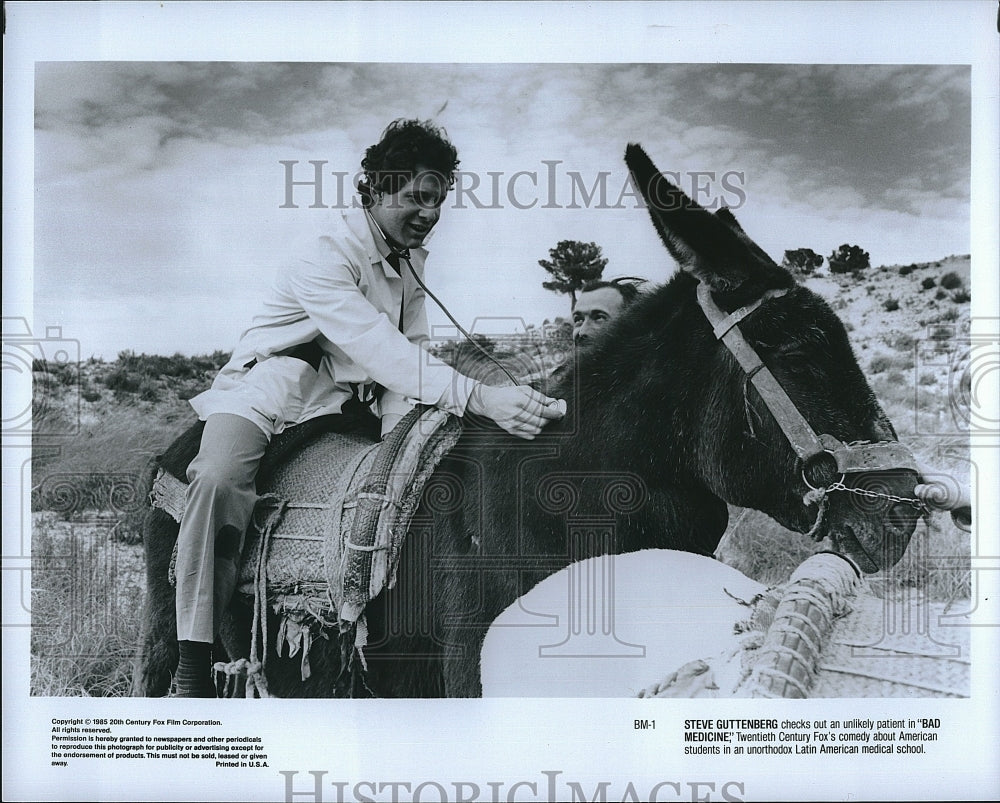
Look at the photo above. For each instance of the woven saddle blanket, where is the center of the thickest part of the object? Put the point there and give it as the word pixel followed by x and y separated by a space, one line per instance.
pixel 329 527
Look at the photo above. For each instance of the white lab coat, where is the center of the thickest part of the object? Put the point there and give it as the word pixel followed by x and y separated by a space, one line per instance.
pixel 347 298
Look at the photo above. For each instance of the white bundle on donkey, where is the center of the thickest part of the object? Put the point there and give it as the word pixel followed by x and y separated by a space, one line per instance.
pixel 661 623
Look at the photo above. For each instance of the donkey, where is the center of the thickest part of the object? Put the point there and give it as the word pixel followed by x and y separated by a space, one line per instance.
pixel 664 427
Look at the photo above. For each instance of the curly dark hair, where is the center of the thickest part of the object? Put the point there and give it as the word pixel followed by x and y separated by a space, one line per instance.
pixel 405 145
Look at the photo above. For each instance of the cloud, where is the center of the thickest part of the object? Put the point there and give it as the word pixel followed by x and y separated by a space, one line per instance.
pixel 164 180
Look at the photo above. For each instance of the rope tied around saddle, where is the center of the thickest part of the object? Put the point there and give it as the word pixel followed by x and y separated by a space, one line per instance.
pixel 256 679
pixel 256 685
pixel 325 539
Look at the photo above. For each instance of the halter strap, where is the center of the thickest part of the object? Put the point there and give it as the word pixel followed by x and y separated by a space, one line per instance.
pixel 850 458
pixel 800 435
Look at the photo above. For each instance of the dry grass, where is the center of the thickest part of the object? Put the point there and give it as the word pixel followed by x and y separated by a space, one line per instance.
pixel 85 601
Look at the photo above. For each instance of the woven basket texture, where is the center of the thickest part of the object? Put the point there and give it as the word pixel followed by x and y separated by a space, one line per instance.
pixel 896 648
pixel 317 484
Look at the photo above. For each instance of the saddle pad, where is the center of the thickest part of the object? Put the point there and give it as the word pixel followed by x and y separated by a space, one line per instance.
pixel 332 519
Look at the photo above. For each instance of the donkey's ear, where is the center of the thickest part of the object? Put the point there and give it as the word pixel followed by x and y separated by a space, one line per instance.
pixel 712 247
pixel 725 214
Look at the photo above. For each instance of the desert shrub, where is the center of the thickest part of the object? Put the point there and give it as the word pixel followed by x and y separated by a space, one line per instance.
pixel 186 389
pixel 101 467
pixel 130 527
pixel 927 378
pixel 951 280
pixel 91 394
pixel 891 304
pixel 940 294
pixel 43 383
pixel 149 390
pixel 802 260
pixel 211 362
pixel 880 363
pixel 928 283
pixel 950 314
pixel 76 495
pixel 906 270
pixel 848 259
pixel 157 365
pixel 64 373
pixel 904 342
pixel 122 380
pixel 961 296
pixel 154 366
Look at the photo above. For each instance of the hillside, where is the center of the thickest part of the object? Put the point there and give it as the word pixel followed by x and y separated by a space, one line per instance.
pixel 96 425
pixel 909 326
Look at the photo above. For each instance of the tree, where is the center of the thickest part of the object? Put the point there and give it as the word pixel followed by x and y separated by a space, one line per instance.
pixel 573 263
pixel 802 260
pixel 848 259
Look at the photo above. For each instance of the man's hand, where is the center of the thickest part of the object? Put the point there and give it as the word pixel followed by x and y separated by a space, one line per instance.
pixel 942 492
pixel 942 495
pixel 519 410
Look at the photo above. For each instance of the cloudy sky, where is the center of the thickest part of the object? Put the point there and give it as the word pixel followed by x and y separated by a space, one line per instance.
pixel 159 186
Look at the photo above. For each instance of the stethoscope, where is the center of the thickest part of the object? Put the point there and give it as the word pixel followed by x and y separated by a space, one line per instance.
pixel 404 256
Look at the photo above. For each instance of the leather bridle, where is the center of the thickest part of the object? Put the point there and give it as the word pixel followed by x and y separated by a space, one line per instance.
pixel 810 448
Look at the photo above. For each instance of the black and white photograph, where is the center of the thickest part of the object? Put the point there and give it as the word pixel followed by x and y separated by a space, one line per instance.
pixel 480 401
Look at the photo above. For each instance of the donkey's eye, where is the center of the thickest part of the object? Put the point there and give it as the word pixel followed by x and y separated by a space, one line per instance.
pixel 794 354
pixel 779 351
pixel 792 351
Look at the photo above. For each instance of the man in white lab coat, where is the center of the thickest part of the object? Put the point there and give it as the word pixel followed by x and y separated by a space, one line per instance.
pixel 340 329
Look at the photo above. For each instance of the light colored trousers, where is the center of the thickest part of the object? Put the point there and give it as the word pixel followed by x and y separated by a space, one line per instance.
pixel 220 501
